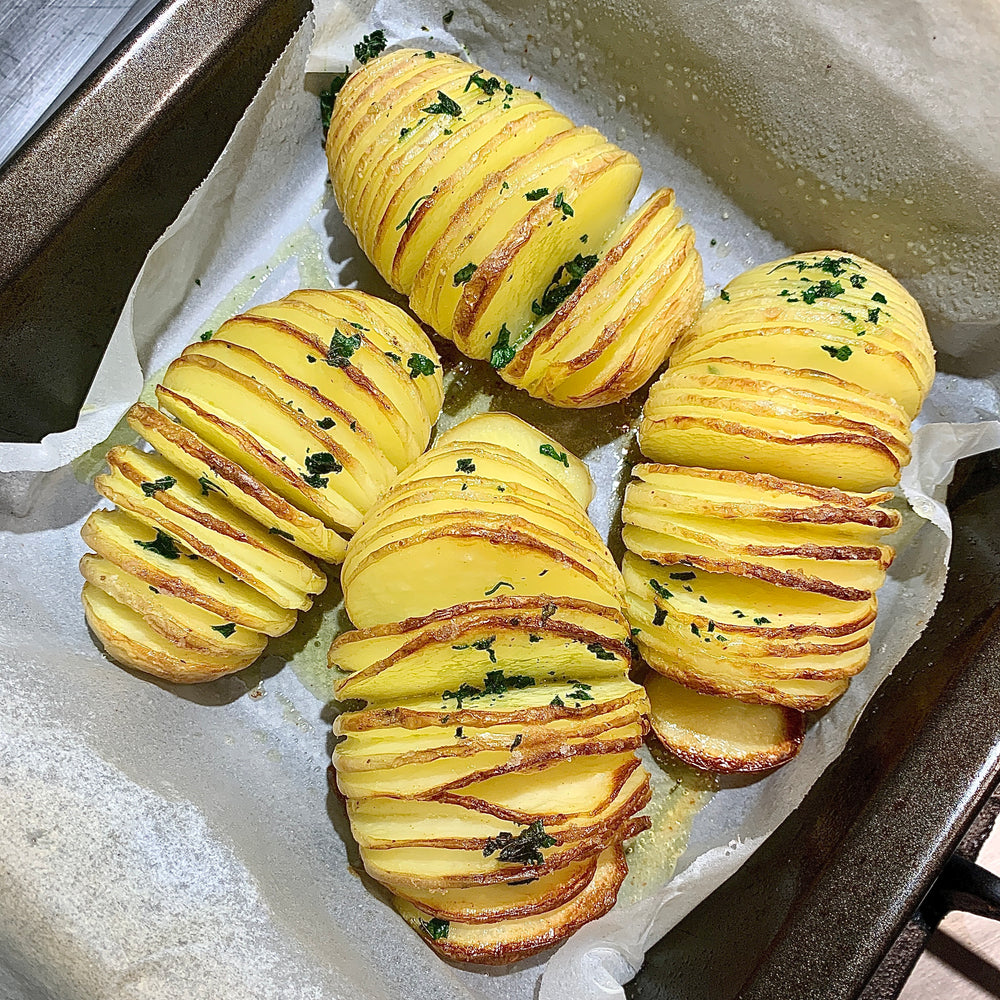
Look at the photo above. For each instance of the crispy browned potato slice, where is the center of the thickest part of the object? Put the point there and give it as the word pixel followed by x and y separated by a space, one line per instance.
pixel 721 734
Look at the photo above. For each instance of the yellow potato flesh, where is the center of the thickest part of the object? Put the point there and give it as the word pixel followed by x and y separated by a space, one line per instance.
pixel 745 604
pixel 721 734
pixel 188 452
pixel 482 222
pixel 547 659
pixel 369 366
pixel 375 419
pixel 130 640
pixel 186 625
pixel 479 142
pixel 507 940
pixel 517 272
pixel 370 476
pixel 391 583
pixel 509 432
pixel 240 402
pixel 642 336
pixel 478 175
pixel 353 651
pixel 114 534
pixel 212 528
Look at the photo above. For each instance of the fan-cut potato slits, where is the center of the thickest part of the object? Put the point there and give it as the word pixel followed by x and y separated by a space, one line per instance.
pixel 493 767
pixel 488 208
pixel 289 422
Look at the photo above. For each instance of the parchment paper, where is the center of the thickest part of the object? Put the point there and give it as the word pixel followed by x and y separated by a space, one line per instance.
pixel 165 842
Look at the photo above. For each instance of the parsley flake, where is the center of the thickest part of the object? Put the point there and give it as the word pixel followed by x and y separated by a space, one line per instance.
pixel 840 353
pixel 463 274
pixel 536 195
pixel 524 849
pixel 370 46
pixel 557 291
pixel 419 365
pixel 162 545
pixel 465 465
pixel 502 353
pixel 436 928
pixel 497 586
pixel 549 452
pixel 283 534
pixel 341 349
pixel 224 630
pixel 444 105
pixel 163 483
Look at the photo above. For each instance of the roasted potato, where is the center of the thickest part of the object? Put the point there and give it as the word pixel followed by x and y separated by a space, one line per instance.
pixel 491 777
pixel 291 421
pixel 506 226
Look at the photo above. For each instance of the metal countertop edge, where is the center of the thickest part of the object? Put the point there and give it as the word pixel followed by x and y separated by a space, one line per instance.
pixel 792 966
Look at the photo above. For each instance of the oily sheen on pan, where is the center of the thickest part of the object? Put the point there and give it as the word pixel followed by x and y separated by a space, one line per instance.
pixel 491 778
pixel 273 437
pixel 509 229
pixel 755 542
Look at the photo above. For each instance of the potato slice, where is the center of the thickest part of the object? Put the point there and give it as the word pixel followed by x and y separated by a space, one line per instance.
pixel 747 607
pixel 517 271
pixel 366 467
pixel 210 526
pixel 353 651
pixel 532 704
pixel 383 822
pixel 187 626
pixel 721 734
pixel 361 402
pixel 430 208
pixel 127 637
pixel 216 473
pixel 448 772
pixel 127 542
pixel 513 434
pixel 510 940
pixel 390 584
pixel 450 656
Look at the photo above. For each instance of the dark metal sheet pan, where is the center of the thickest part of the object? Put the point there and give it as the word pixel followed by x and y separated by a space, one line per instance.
pixel 814 910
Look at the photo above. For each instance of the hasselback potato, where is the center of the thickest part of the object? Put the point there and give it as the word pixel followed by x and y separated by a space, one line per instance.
pixel 491 778
pixel 508 227
pixel 291 420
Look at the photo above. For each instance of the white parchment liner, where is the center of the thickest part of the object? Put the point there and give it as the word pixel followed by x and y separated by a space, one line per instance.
pixel 158 842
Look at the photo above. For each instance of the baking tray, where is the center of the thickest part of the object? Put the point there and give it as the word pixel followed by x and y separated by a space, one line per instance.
pixel 811 914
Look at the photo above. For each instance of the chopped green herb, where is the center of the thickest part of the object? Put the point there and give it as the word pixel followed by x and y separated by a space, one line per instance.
pixel 459 735
pixel 858 280
pixel 435 928
pixel 825 289
pixel 163 483
pixel 329 95
pixel 762 621
pixel 563 205
pixel 873 314
pixel 444 105
pixel 207 335
pixel 517 741
pixel 683 576
pixel 341 349
pixel 322 463
pixel 488 86
pixel 494 683
pixel 879 297
pixel 153 589
pixel 549 452
pixel 409 215
pixel 534 638
pixel 557 292
pixel 370 46
pixel 524 849
pixel 660 590
pixel 724 295
pixel 738 614
pixel 419 365
pixel 659 616
pixel 847 315
pixel 430 55
pixel 315 481
pixel 162 545
pixel 448 16
pixel 502 354
pixel 463 274
pixel 393 357
pixel 283 534
pixel 497 586
pixel 695 629
pixel 599 651
pixel 326 423
pixel 465 465
pixel 310 359
pixel 537 194
pixel 224 630
pixel 558 702
pixel 840 353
